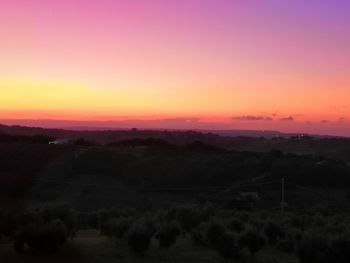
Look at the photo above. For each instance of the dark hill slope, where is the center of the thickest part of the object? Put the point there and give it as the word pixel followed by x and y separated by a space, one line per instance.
pixel 337 148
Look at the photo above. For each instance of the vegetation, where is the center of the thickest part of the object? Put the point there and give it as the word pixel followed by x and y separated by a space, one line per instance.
pixel 147 195
pixel 319 238
pixel 42 237
pixel 139 238
pixel 167 234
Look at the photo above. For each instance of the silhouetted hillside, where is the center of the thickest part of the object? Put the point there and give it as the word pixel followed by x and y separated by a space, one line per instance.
pixel 334 147
pixel 153 170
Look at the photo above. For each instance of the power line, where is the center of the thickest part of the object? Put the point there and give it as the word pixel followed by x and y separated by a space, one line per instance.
pixel 308 189
pixel 114 199
pixel 255 184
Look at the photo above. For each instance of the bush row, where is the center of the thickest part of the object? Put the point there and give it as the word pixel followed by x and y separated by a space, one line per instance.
pixel 313 237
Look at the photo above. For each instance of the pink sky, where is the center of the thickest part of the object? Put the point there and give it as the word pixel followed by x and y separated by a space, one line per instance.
pixel 228 64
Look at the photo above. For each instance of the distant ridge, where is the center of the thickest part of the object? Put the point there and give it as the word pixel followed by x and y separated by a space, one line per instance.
pixel 53 126
pixel 29 130
pixel 109 134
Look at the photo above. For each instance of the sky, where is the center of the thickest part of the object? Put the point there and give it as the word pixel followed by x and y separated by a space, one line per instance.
pixel 211 64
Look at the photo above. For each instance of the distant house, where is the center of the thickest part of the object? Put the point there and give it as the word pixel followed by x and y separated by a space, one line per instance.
pixel 60 142
pixel 322 163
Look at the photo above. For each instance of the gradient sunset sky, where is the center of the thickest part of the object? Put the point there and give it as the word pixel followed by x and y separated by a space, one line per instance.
pixel 210 64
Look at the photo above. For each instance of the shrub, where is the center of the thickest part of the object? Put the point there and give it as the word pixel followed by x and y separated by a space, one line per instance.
pixel 59 232
pixel 188 217
pixel 167 234
pixel 227 246
pixel 149 223
pixel 88 220
pixel 341 248
pixel 115 227
pixel 257 224
pixel 215 231
pixel 170 214
pixel 7 225
pixel 198 234
pixel 336 228
pixel 315 249
pixel 41 237
pixel 253 240
pixel 139 238
pixel 236 225
pixel 287 243
pixel 273 231
pixel 243 216
pixel 27 218
pixel 63 212
pixel 104 215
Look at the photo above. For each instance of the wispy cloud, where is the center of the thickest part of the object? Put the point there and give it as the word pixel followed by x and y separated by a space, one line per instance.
pixel 290 118
pixel 252 118
pixel 339 107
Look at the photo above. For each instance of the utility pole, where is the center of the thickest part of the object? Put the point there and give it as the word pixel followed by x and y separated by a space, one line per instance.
pixel 282 195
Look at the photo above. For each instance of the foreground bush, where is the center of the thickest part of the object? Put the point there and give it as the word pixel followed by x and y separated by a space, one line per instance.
pixel 253 240
pixel 198 234
pixel 227 246
pixel 236 225
pixel 273 232
pixel 315 248
pixel 115 227
pixel 224 242
pixel 341 248
pixel 41 237
pixel 287 243
pixel 63 212
pixel 167 234
pixel 214 233
pixel 7 225
pixel 188 217
pixel 139 238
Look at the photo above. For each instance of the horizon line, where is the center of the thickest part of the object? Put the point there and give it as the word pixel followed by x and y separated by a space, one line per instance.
pixel 92 127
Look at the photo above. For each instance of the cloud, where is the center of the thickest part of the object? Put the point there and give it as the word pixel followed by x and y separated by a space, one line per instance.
pixel 325 121
pixel 290 118
pixel 186 120
pixel 252 118
pixel 339 107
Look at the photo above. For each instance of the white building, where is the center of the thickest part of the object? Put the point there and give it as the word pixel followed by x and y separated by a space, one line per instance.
pixel 60 142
